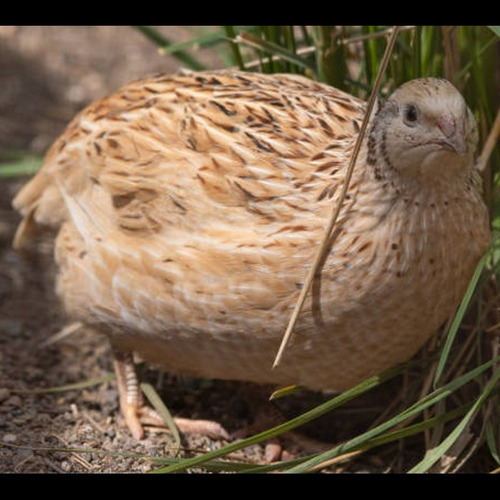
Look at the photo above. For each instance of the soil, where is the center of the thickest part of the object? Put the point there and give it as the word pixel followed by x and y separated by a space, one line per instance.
pixel 46 75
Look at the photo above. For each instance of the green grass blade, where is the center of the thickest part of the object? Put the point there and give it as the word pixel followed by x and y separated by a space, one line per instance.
pixel 213 466
pixel 492 440
pixel 272 48
pixel 164 43
pixel 200 42
pixel 291 45
pixel 413 429
pixel 17 164
pixel 436 453
pixel 287 426
pixel 70 387
pixel 457 320
pixel 330 55
pixel 495 29
pixel 162 410
pixel 231 34
pixel 362 439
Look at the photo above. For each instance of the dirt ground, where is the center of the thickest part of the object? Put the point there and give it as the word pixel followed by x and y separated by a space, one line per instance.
pixel 46 75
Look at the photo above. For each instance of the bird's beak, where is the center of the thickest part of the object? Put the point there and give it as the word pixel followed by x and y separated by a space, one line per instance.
pixel 454 136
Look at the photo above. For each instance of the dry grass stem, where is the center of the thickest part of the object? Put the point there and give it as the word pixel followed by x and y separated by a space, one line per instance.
pixel 490 144
pixel 327 238
pixel 63 333
pixel 377 34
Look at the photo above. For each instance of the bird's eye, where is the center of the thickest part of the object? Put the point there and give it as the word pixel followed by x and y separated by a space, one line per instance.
pixel 411 115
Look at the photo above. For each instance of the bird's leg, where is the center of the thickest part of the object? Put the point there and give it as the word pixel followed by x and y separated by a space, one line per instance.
pixel 136 413
pixel 131 400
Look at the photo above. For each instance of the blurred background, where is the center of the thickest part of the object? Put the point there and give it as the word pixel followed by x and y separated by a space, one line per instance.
pixel 48 73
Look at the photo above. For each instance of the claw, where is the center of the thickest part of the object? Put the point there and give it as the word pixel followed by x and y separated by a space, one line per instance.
pixel 133 422
pixel 136 413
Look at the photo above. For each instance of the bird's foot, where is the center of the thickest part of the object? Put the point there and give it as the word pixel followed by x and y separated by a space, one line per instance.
pixel 285 446
pixel 137 414
pixel 267 416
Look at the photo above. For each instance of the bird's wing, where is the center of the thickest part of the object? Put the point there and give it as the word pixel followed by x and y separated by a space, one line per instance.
pixel 182 150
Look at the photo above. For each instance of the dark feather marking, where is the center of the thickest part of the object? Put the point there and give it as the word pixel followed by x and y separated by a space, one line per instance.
pixel 259 144
pixel 325 126
pixel 225 110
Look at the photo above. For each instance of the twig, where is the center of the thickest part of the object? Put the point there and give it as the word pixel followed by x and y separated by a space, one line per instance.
pixel 64 332
pixel 378 34
pixel 490 144
pixel 331 224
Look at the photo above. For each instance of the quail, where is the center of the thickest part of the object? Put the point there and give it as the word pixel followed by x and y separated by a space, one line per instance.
pixel 188 208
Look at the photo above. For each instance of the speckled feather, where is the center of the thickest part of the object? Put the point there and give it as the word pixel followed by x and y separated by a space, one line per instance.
pixel 189 209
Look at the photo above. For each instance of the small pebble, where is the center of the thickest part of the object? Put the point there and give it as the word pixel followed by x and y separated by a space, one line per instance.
pixel 25 453
pixel 110 433
pixel 9 438
pixel 65 466
pixel 11 327
pixel 4 394
pixel 14 401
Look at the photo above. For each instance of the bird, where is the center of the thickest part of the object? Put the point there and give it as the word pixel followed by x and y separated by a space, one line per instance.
pixel 187 209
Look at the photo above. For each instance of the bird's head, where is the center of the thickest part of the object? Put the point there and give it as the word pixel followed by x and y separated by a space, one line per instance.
pixel 424 130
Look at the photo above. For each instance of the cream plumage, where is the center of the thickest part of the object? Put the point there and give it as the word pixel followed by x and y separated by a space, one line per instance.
pixel 189 209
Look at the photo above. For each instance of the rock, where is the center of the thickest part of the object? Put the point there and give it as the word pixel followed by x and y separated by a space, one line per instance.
pixel 9 438
pixel 11 327
pixel 4 394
